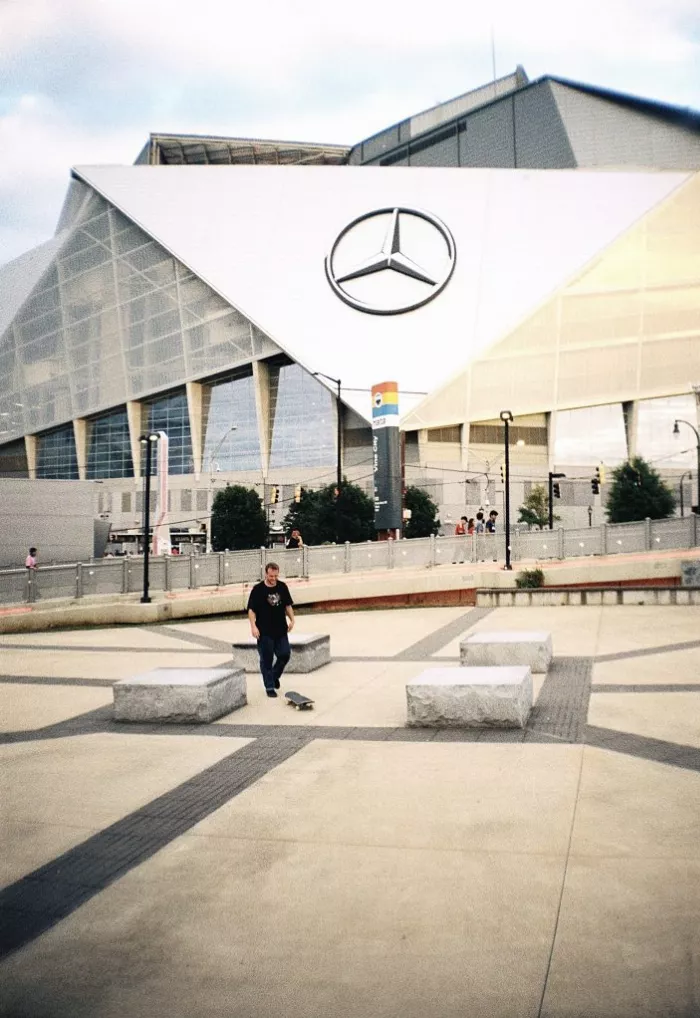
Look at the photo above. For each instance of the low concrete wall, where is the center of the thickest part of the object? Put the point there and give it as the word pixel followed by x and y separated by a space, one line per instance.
pixel 542 597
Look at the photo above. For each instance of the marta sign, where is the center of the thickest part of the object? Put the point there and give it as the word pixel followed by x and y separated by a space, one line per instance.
pixel 386 456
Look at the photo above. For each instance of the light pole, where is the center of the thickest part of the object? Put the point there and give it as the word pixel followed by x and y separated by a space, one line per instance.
pixel 507 418
pixel 234 427
pixel 676 431
pixel 147 440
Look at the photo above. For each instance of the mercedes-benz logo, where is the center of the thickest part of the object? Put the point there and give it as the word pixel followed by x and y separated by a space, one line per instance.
pixel 390 281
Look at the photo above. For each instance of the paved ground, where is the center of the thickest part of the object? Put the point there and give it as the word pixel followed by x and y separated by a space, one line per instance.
pixel 337 863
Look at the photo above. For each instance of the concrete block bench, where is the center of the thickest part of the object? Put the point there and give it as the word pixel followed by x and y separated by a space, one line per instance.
pixel 180 695
pixel 508 647
pixel 309 652
pixel 470 698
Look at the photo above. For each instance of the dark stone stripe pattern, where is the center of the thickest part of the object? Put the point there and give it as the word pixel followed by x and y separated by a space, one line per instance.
pixel 441 637
pixel 38 901
pixel 561 709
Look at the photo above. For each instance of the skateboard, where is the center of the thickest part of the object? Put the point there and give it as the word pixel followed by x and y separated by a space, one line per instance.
pixel 299 701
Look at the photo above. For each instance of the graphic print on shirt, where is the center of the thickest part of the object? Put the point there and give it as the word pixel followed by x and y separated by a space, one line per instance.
pixel 273 600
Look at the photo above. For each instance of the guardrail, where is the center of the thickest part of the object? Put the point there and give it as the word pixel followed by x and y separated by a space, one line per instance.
pixel 175 572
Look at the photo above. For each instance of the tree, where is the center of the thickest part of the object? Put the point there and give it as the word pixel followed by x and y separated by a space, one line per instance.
pixel 636 492
pixel 238 519
pixel 323 517
pixel 535 509
pixel 423 521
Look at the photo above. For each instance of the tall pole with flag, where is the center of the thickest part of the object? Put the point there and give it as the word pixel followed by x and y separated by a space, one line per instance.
pixel 386 449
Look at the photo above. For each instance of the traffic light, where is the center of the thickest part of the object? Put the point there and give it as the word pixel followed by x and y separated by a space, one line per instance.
pixel 297 493
pixel 600 472
pixel 595 485
pixel 274 495
pixel 556 490
pixel 503 473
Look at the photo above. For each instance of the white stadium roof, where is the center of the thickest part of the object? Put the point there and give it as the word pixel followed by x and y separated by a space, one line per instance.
pixel 259 236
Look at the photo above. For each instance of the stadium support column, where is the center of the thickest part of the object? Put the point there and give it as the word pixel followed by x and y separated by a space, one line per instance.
pixel 464 446
pixel 630 415
pixel 133 416
pixel 80 431
pixel 194 409
pixel 551 438
pixel 31 444
pixel 261 382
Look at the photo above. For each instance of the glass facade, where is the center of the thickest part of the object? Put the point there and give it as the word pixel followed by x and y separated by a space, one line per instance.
pixel 13 460
pixel 170 414
pixel 590 435
pixel 655 439
pixel 109 450
pixel 56 456
pixel 302 416
pixel 226 404
pixel 115 318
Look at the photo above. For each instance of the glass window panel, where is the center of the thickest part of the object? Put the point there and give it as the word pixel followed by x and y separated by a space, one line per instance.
pixel 302 414
pixel 56 456
pixel 655 439
pixel 109 450
pixel 227 404
pixel 170 414
pixel 590 435
pixel 13 458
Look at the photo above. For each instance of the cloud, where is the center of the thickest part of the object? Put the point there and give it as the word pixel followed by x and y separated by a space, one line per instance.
pixel 87 80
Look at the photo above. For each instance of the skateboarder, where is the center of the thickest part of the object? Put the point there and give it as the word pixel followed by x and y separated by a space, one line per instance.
pixel 271 616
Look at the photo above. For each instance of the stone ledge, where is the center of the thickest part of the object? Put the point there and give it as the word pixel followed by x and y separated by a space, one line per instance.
pixel 507 647
pixel 309 652
pixel 546 596
pixel 470 698
pixel 180 695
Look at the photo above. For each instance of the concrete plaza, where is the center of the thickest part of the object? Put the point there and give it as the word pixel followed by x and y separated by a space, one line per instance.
pixel 335 862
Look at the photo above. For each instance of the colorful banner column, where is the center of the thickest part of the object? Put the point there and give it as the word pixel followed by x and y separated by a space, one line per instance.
pixel 161 530
pixel 387 456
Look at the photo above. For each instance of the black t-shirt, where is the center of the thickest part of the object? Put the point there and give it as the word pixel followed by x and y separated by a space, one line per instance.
pixel 269 605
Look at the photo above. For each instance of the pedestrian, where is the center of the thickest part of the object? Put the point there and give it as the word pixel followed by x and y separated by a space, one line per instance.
pixel 480 522
pixel 460 533
pixel 271 617
pixel 295 540
pixel 470 526
pixel 30 561
pixel 491 529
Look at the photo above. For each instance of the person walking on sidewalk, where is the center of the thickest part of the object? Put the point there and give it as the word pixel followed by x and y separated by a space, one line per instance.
pixel 271 617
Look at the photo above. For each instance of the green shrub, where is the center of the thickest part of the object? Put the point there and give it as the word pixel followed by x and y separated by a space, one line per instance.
pixel 530 578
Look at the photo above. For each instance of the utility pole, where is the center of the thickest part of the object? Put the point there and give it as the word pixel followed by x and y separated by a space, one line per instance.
pixel 551 496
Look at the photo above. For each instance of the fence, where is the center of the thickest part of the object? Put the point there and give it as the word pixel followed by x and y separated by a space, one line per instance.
pixel 125 575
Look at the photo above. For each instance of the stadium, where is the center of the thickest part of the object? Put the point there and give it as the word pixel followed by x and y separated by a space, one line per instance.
pixel 531 246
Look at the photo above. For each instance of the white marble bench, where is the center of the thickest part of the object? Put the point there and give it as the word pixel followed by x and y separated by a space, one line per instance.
pixel 180 695
pixel 509 647
pixel 470 698
pixel 309 652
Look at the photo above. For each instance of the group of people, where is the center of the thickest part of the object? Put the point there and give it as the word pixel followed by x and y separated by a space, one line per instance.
pixel 471 525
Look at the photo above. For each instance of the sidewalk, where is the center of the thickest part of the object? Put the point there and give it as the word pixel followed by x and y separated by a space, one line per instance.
pixel 337 863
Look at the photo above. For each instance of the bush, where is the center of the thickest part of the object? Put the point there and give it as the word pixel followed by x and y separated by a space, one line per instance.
pixel 530 578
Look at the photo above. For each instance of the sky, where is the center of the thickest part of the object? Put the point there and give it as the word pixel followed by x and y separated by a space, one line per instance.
pixel 86 81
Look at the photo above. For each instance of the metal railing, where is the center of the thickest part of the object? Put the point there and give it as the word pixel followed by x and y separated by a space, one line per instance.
pixel 125 575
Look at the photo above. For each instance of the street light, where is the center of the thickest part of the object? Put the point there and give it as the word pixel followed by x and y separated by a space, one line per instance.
pixel 234 427
pixel 507 418
pixel 676 431
pixel 148 440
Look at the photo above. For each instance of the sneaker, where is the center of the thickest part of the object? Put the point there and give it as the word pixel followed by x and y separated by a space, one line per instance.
pixel 271 692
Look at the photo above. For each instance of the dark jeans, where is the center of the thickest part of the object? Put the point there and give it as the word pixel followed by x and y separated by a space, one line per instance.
pixel 270 647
